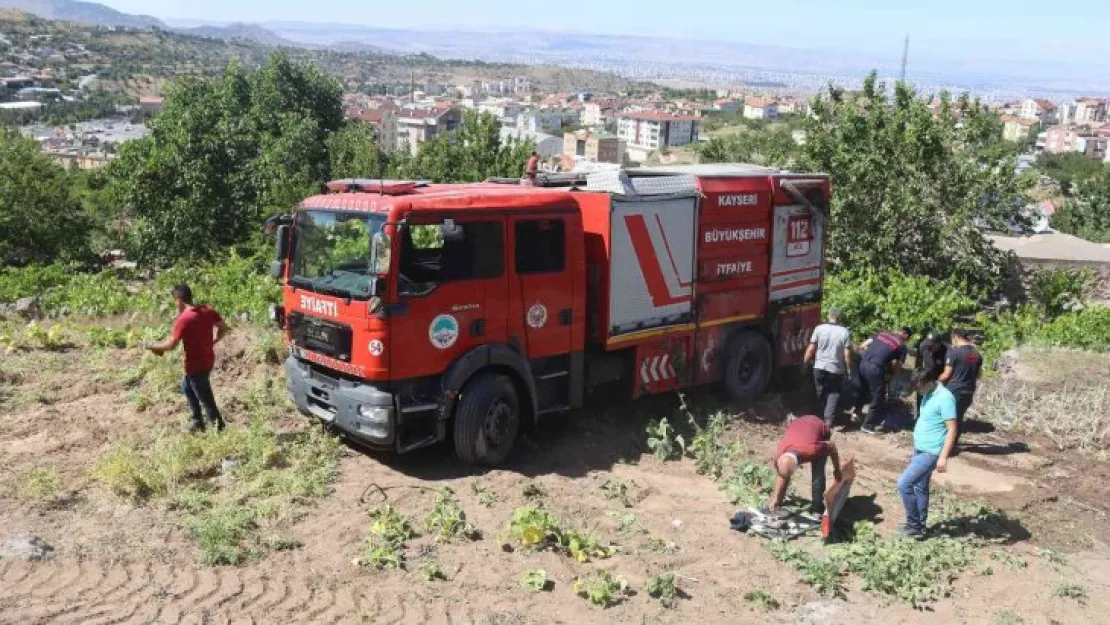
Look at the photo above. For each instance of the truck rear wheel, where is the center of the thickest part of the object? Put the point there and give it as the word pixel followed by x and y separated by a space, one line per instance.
pixel 487 420
pixel 748 366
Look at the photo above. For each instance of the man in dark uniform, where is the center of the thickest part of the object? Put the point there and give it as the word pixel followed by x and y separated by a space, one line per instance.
pixel 806 440
pixel 962 368
pixel 882 354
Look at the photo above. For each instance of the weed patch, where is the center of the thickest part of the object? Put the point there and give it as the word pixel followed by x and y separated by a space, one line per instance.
pixel 536 581
pixel 601 588
pixel 762 599
pixel 823 574
pixel 662 587
pixel 534 528
pixel 750 484
pixel 486 497
pixel 232 489
pixel 1009 618
pixel 663 442
pixel 710 453
pixel 384 547
pixel 38 484
pixel 617 490
pixel 431 570
pixel 447 519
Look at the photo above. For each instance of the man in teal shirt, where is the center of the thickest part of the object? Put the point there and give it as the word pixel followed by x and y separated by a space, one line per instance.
pixel 933 438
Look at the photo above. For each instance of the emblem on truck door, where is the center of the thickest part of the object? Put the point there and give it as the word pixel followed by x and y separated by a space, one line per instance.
pixel 444 331
pixel 537 316
pixel 376 347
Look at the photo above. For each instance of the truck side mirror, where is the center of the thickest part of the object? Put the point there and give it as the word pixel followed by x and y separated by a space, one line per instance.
pixel 282 242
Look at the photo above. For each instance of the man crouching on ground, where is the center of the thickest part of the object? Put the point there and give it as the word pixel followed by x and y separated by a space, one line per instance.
pixel 194 327
pixel 933 438
pixel 806 440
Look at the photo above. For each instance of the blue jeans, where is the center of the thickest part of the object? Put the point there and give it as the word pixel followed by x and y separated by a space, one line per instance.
pixel 913 485
pixel 198 391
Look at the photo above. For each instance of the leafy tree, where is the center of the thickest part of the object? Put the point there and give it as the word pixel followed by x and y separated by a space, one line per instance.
pixel 223 154
pixel 1069 169
pixel 1087 214
pixel 773 147
pixel 473 153
pixel 909 185
pixel 355 153
pixel 41 219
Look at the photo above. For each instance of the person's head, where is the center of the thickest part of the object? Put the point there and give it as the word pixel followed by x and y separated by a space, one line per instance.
pixel 182 296
pixel 834 315
pixel 923 382
pixel 961 337
pixel 905 333
pixel 534 154
pixel 786 465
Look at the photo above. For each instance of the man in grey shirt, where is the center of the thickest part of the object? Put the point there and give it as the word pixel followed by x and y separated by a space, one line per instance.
pixel 830 351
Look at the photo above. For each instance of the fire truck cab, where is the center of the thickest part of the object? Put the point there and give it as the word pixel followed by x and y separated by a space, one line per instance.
pixel 417 313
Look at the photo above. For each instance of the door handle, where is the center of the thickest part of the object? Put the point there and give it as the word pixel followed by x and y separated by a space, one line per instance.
pixel 477 328
pixel 566 316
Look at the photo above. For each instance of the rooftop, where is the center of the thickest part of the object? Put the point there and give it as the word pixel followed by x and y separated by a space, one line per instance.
pixel 657 116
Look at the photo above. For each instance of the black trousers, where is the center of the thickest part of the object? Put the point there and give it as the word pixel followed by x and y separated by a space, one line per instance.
pixel 817 500
pixel 829 387
pixel 963 402
pixel 872 385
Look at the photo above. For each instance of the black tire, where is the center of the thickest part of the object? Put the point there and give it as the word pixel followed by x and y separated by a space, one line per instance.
pixel 487 420
pixel 748 366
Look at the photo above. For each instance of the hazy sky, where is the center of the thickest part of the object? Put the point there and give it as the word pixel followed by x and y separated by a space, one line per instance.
pixel 997 29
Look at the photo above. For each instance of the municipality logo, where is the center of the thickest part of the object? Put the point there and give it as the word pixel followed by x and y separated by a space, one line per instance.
pixel 443 332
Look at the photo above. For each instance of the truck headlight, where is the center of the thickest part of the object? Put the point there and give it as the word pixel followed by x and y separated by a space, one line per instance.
pixel 374 414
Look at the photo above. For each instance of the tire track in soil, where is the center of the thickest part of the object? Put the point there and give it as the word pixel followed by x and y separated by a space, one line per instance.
pixel 385 612
pixel 131 597
pixel 203 589
pixel 274 592
pixel 254 588
pixel 61 599
pixel 117 578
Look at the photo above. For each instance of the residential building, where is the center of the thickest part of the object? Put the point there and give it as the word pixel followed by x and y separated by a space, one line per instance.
pixel 584 145
pixel 1040 110
pixel 506 111
pixel 761 108
pixel 383 120
pixel 415 126
pixel 1090 111
pixel 545 120
pixel 726 105
pixel 645 131
pixel 790 107
pixel 1066 112
pixel 547 146
pixel 150 105
pixel 1018 128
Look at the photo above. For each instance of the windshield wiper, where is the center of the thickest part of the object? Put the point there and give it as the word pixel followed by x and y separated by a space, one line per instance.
pixel 320 288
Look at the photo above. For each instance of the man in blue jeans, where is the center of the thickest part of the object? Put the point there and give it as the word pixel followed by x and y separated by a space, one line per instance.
pixel 933 438
pixel 199 328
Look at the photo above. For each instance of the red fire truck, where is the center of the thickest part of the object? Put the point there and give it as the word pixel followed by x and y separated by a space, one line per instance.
pixel 417 313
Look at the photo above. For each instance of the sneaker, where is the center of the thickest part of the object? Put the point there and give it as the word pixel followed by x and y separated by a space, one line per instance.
pixel 908 532
pixel 220 425
pixel 868 429
pixel 194 427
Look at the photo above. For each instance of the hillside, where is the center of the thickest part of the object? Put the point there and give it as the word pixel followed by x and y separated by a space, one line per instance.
pixel 86 12
pixel 139 60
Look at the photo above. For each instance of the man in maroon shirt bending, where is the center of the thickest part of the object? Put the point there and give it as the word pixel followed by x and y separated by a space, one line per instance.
pixel 199 328
pixel 806 440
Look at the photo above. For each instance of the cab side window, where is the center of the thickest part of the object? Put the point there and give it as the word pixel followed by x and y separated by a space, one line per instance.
pixel 428 258
pixel 541 246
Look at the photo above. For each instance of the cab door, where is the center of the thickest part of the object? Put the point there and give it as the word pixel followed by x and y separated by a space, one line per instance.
pixel 451 293
pixel 544 281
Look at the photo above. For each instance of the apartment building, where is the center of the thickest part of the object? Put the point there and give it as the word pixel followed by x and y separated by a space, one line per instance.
pixel 546 120
pixel 383 120
pixel 1090 111
pixel 1037 109
pixel 654 130
pixel 415 126
pixel 761 108
pixel 1018 128
pixel 584 145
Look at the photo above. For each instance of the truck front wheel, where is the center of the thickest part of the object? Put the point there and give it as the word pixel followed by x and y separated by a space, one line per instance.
pixel 748 366
pixel 487 420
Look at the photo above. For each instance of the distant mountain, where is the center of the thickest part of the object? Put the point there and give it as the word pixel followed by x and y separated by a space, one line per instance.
pixel 248 32
pixel 86 12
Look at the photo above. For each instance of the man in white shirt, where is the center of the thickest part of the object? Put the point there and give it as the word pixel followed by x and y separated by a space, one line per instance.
pixel 830 351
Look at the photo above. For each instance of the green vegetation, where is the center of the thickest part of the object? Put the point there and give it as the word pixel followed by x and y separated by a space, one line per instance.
pixel 750 484
pixel 430 570
pixel 1070 591
pixel 1086 214
pixel 823 574
pixel 662 587
pixel 534 528
pixel 711 453
pixel 231 489
pixel 617 490
pixel 601 588
pixel 664 442
pixel 447 519
pixel 38 484
pixel 384 547
pixel 879 300
pixel 1009 618
pixel 762 599
pixel 486 497
pixel 536 580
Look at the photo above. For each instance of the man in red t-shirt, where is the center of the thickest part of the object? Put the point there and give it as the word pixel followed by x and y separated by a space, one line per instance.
pixel 199 328
pixel 806 440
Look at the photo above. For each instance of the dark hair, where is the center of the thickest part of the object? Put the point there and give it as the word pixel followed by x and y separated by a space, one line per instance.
pixel 922 377
pixel 961 334
pixel 183 293
pixel 908 332
pixel 534 153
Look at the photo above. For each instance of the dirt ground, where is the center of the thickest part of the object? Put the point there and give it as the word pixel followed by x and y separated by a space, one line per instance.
pixel 117 563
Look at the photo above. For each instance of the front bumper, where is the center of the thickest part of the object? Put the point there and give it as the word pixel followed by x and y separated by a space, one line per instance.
pixel 358 410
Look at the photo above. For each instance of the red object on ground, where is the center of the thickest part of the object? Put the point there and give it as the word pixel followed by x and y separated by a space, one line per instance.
pixel 836 496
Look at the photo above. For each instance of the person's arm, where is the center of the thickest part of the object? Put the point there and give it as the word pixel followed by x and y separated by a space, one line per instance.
pixel 834 456
pixel 811 353
pixel 170 342
pixel 949 442
pixel 780 491
pixel 946 375
pixel 848 357
pixel 222 330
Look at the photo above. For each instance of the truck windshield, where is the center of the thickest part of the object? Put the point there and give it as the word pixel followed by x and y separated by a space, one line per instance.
pixel 331 253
